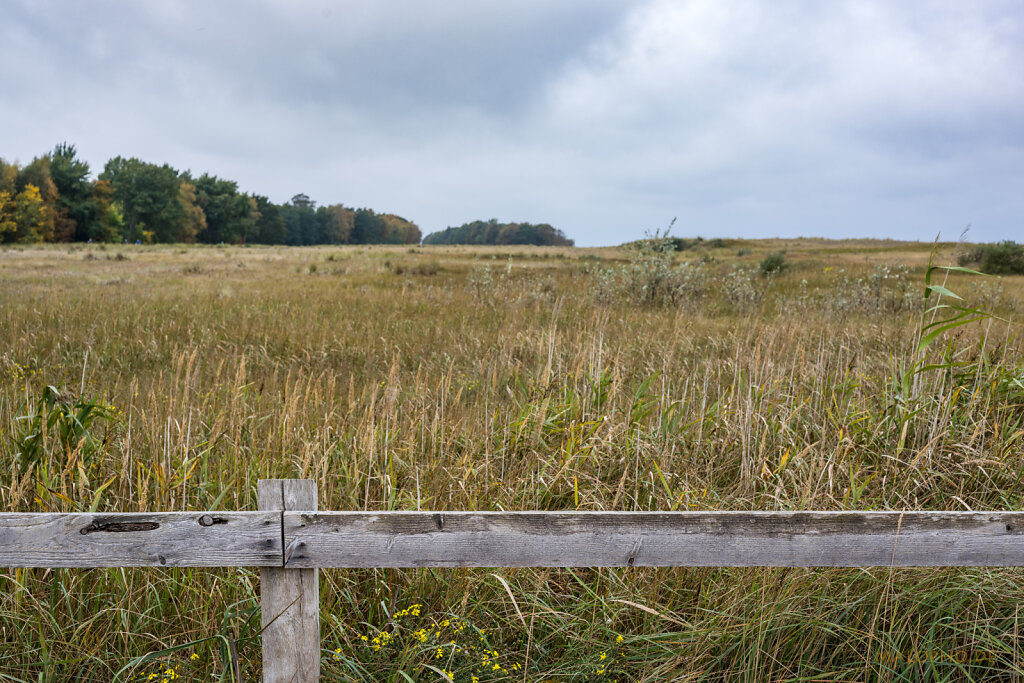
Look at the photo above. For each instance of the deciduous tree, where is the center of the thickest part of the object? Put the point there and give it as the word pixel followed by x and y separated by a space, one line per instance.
pixel 150 197
pixel 193 217
pixel 32 217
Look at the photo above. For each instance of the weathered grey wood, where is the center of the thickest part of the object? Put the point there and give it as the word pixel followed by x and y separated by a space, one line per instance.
pixel 616 539
pixel 409 539
pixel 290 598
pixel 122 539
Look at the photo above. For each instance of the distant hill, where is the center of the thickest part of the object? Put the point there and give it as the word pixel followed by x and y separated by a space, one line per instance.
pixel 493 232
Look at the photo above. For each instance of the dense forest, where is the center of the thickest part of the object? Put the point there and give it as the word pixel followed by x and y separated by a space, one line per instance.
pixel 55 199
pixel 493 232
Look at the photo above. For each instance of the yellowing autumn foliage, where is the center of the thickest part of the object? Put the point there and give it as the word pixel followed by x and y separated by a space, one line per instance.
pixel 8 226
pixel 33 222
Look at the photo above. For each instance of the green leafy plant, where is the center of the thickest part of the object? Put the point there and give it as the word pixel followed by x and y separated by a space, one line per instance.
pixel 60 422
pixel 942 311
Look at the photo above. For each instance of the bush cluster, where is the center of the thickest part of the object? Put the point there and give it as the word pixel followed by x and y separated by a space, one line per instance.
pixel 653 277
pixel 773 264
pixel 1001 258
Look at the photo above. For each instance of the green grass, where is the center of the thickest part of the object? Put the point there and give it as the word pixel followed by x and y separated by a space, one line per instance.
pixel 443 378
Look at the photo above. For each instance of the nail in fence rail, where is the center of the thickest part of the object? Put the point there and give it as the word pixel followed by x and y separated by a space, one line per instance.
pixel 290 540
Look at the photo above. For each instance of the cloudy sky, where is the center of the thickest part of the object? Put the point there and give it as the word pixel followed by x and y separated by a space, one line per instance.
pixel 605 118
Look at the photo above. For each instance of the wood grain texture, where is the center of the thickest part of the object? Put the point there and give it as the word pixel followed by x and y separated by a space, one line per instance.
pixel 120 539
pixel 652 539
pixel 289 598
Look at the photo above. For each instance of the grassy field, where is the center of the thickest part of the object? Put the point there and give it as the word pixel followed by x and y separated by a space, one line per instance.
pixel 509 379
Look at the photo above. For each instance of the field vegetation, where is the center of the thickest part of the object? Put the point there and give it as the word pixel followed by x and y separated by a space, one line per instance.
pixel 513 378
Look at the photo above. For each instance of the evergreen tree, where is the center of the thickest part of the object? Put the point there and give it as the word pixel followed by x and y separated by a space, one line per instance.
pixel 76 206
pixel 367 227
pixel 300 220
pixel 270 227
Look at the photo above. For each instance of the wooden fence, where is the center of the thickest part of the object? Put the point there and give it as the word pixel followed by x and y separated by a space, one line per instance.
pixel 290 540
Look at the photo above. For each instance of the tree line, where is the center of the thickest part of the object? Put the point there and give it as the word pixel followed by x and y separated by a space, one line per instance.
pixel 493 232
pixel 55 199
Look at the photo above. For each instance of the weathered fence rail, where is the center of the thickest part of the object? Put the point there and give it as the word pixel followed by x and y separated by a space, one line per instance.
pixel 159 539
pixel 290 540
pixel 653 539
pixel 307 539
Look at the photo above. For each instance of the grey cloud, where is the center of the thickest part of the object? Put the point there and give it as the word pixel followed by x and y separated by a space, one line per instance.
pixel 355 53
pixel 604 118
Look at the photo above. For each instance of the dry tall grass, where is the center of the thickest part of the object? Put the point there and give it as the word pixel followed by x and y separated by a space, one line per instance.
pixel 458 378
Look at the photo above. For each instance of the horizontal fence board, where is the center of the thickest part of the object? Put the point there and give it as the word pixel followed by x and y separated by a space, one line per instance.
pixel 653 539
pixel 159 539
pixel 511 539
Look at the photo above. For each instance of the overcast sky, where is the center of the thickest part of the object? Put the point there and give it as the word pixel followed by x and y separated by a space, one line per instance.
pixel 604 118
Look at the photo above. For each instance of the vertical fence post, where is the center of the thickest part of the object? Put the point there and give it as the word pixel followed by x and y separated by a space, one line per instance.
pixel 289 598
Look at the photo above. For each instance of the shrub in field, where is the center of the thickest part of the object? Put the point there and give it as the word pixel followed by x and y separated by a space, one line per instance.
pixel 971 256
pixel 480 281
pixel 773 263
pixel 888 289
pixel 739 288
pixel 1002 258
pixel 659 281
pixel 653 277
